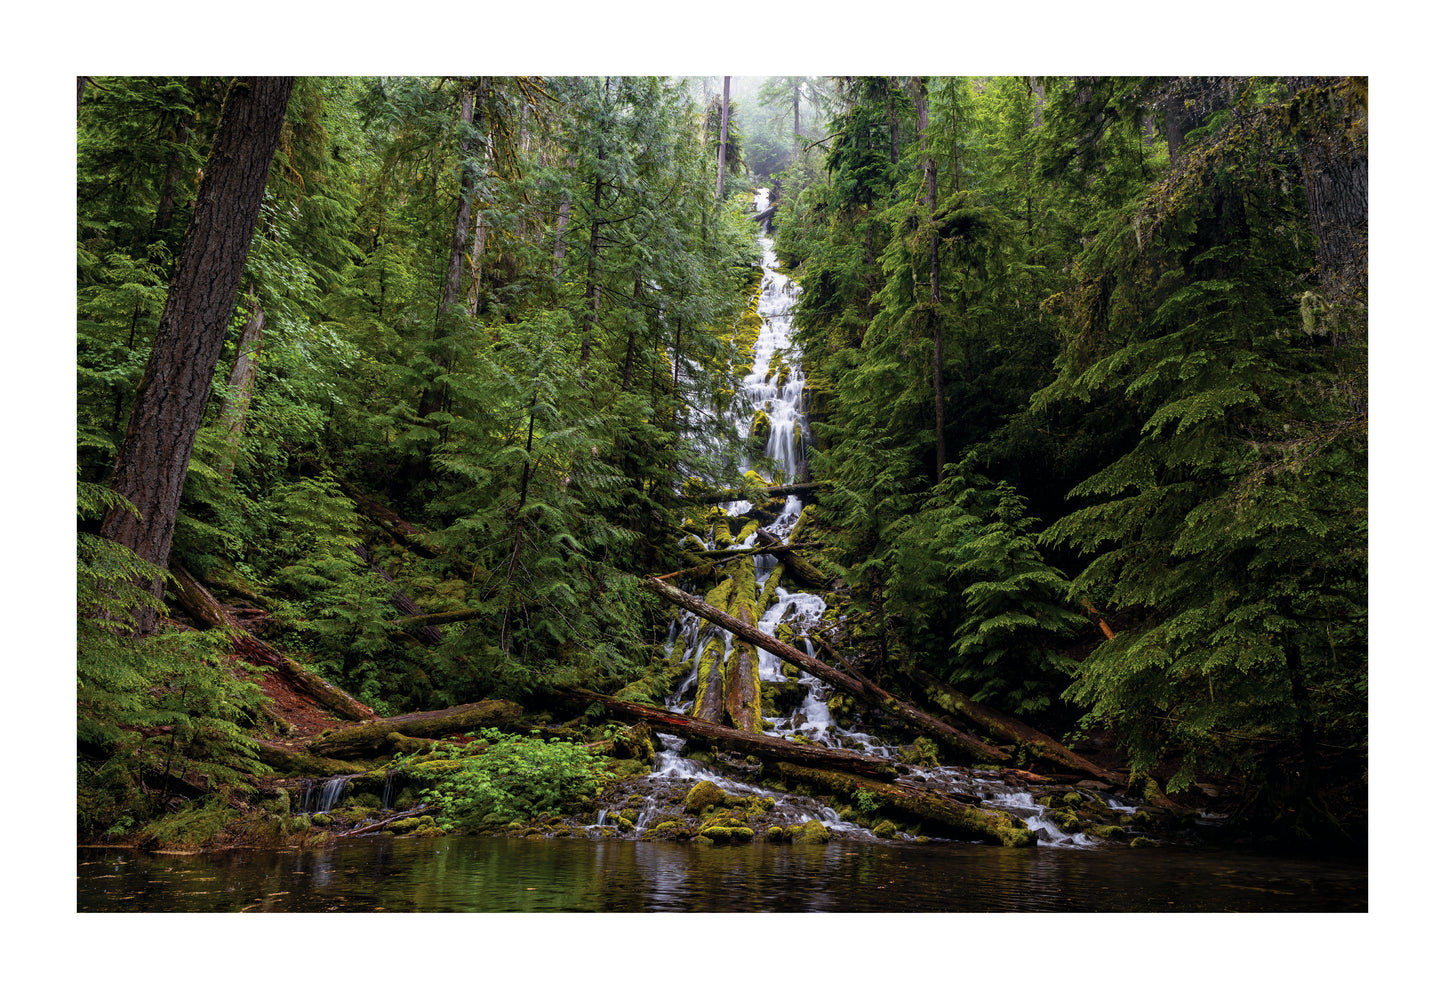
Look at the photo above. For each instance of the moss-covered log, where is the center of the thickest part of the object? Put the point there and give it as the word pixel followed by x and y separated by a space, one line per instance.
pixel 361 740
pixel 960 741
pixel 738 494
pixel 767 747
pixel 1000 725
pixel 947 814
pixel 209 613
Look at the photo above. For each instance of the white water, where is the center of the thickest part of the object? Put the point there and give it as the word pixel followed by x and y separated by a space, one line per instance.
pixel 811 719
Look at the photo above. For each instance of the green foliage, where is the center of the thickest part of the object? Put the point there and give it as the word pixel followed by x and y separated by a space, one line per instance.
pixel 151 712
pixel 499 778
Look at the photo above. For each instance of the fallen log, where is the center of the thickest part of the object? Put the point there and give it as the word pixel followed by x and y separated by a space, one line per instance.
pixel 210 613
pixel 439 618
pixel 953 816
pixel 1000 725
pixel 741 494
pixel 765 747
pixel 396 526
pixel 367 829
pixel 424 631
pixel 956 739
pixel 359 740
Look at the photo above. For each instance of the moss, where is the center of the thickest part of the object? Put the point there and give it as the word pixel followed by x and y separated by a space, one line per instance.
pixel 1139 819
pixel 194 826
pixel 704 795
pixel 1142 842
pixel 886 830
pixel 321 820
pixel 1107 832
pixel 1068 822
pixel 430 832
pixel 810 833
pixel 1071 799
pixel 777 834
pixel 923 752
pixel 370 801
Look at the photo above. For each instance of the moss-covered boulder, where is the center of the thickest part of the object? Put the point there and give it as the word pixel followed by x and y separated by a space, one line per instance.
pixel 886 830
pixel 704 795
pixel 1143 842
pixel 810 833
pixel 1107 832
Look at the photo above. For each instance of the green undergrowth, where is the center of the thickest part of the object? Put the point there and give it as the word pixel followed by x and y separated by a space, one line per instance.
pixel 500 778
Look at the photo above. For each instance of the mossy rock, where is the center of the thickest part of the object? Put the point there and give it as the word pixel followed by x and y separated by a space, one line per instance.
pixel 369 801
pixel 1139 819
pixel 886 830
pixel 777 834
pixel 1142 842
pixel 1071 799
pixel 704 795
pixel 1107 832
pixel 431 832
pixel 321 820
pixel 810 833
pixel 725 834
pixel 1067 822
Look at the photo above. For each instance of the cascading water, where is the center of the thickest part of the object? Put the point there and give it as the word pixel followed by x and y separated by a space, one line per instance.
pixel 774 390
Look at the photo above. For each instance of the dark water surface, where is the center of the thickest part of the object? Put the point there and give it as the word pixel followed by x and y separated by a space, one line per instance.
pixel 571 875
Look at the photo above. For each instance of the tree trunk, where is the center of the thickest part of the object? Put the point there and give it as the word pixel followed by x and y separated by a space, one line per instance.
pixel 738 494
pixel 860 687
pixel 748 743
pixel 424 630
pixel 150 469
pixel 955 817
pixel 241 383
pixel 432 398
pixel 722 147
pixel 209 613
pixel 1000 725
pixel 361 740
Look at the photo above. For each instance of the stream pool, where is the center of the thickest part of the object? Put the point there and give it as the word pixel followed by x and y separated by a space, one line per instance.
pixel 458 874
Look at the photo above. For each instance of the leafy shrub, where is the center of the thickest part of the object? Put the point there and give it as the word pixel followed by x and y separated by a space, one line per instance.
pixel 500 778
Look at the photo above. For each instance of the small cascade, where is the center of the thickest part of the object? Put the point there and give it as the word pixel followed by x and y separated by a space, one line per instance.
pixel 319 796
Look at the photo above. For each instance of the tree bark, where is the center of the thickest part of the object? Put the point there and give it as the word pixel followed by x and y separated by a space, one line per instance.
pixel 765 747
pixel 150 469
pixel 858 686
pixel 360 740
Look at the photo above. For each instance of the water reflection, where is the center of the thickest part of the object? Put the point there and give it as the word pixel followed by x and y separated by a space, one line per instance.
pixel 557 876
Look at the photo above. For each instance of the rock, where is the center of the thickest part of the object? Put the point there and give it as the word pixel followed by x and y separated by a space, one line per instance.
pixel 704 795
pixel 886 830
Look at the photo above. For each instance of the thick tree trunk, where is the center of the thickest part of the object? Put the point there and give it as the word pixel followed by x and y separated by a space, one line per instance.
pixel 150 469
pixel 361 740
pixel 242 383
pixel 866 690
pixel 747 743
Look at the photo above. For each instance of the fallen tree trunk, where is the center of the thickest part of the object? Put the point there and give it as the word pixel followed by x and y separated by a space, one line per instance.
pixel 399 528
pixel 918 803
pixel 749 743
pixel 1000 725
pixel 359 740
pixel 424 631
pixel 959 741
pixel 741 494
pixel 207 611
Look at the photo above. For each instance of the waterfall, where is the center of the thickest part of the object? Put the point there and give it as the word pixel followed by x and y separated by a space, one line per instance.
pixel 774 387
pixel 319 796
